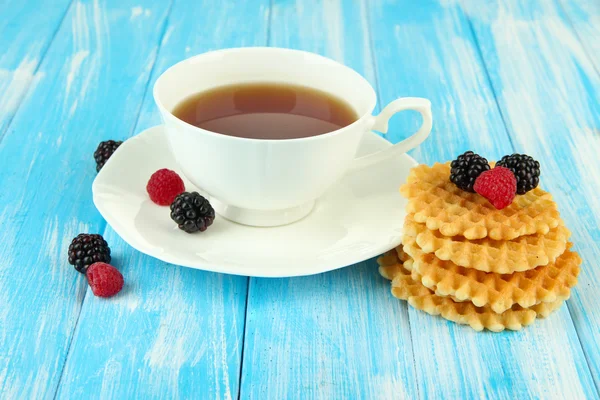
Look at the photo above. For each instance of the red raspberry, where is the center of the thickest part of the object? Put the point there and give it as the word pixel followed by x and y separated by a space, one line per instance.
pixel 104 279
pixel 164 185
pixel 498 185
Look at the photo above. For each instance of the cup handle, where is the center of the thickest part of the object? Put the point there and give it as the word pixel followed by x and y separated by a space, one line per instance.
pixel 423 106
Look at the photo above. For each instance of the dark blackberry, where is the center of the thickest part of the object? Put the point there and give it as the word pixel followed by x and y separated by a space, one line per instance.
pixel 87 249
pixel 526 170
pixel 466 168
pixel 104 151
pixel 192 212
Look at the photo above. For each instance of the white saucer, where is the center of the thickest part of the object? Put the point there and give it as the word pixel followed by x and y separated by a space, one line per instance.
pixel 358 218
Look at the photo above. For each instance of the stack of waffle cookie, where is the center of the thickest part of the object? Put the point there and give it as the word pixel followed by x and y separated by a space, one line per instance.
pixel 473 264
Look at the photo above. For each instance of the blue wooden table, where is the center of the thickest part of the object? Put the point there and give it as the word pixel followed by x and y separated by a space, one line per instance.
pixel 503 76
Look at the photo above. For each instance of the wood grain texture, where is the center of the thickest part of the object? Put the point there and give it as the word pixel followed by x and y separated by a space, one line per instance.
pixel 21 50
pixel 502 76
pixel 584 18
pixel 339 334
pixel 548 91
pixel 428 49
pixel 90 85
pixel 174 332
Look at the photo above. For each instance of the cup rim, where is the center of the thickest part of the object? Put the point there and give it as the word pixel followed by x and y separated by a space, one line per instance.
pixel 168 114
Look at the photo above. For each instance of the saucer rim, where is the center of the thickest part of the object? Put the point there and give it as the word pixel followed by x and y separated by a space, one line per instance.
pixel 220 267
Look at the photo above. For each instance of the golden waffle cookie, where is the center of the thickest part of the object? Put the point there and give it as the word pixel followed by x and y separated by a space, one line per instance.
pixel 504 257
pixel 545 284
pixel 441 205
pixel 391 262
pixel 418 296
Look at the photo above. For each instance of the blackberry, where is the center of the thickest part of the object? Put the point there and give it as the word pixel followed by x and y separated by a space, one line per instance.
pixel 104 151
pixel 526 170
pixel 87 249
pixel 192 212
pixel 466 168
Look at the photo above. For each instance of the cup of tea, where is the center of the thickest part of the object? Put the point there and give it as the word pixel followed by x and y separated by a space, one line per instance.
pixel 266 131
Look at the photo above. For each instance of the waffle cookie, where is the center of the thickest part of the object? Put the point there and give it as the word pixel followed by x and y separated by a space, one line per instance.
pixel 545 284
pixel 418 296
pixel 488 255
pixel 441 205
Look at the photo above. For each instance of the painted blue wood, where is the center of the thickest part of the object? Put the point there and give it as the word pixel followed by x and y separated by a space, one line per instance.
pixel 338 335
pixel 21 50
pixel 174 332
pixel 427 49
pixel 67 84
pixel 584 18
pixel 550 100
pixel 90 87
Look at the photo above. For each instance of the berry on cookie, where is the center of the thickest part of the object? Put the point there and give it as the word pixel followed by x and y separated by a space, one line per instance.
pixel 526 170
pixel 466 168
pixel 498 185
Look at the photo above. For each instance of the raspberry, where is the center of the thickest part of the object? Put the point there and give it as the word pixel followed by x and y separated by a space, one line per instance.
pixel 498 185
pixel 104 279
pixel 164 185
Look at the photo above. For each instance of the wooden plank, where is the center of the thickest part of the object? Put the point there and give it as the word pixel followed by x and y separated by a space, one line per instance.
pixel 175 332
pixel 90 86
pixel 427 49
pixel 584 18
pixel 340 334
pixel 549 94
pixel 22 49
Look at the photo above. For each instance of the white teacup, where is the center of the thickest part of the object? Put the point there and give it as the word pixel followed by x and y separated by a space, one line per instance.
pixel 274 182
